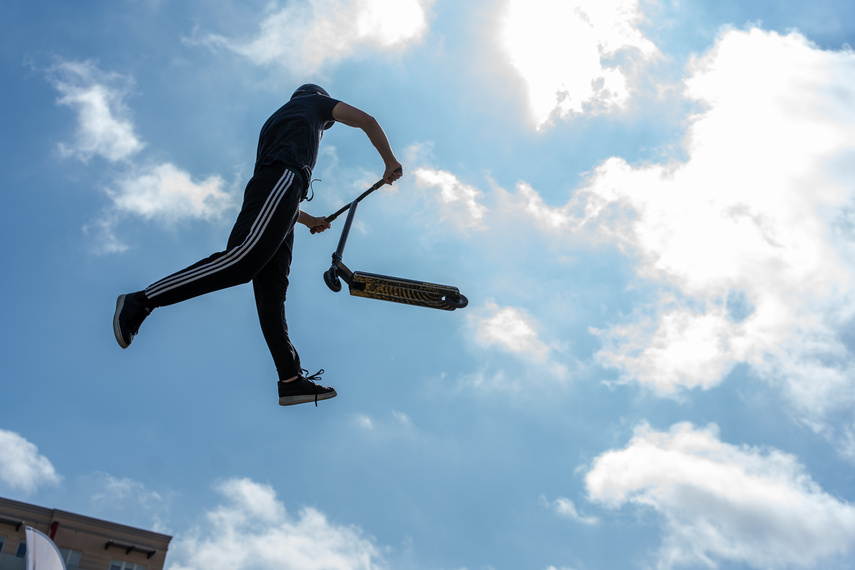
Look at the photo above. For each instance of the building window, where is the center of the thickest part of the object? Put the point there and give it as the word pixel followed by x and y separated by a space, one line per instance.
pixel 119 565
pixel 2 543
pixel 22 549
pixel 71 557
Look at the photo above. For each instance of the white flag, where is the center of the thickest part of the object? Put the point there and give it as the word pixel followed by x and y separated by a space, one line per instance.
pixel 42 553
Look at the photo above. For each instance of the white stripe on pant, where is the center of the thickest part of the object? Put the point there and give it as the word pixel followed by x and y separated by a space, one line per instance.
pixel 232 256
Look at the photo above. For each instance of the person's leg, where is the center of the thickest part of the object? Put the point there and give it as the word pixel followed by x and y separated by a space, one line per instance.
pixel 270 286
pixel 270 209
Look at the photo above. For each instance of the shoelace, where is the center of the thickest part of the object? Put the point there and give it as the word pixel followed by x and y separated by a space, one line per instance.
pixel 311 379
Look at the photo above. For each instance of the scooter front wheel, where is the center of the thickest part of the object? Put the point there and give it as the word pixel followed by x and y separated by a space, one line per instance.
pixel 332 280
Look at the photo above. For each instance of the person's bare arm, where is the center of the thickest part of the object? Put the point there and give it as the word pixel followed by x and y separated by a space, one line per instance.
pixel 317 225
pixel 353 117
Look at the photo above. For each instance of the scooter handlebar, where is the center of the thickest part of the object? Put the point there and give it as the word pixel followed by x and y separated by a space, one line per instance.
pixel 346 207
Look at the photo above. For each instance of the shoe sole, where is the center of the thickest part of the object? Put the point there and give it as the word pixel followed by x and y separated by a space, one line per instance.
pixel 305 398
pixel 117 328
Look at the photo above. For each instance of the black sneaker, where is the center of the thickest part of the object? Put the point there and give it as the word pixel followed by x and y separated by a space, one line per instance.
pixel 130 313
pixel 304 390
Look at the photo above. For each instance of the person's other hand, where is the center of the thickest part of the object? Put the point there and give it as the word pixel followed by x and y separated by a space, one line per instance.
pixel 319 225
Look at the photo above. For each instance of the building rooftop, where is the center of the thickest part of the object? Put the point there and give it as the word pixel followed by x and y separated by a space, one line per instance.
pixel 87 543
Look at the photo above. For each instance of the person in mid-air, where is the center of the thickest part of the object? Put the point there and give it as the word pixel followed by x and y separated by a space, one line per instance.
pixel 261 243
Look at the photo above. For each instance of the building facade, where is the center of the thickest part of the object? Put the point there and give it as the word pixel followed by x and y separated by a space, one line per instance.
pixel 85 543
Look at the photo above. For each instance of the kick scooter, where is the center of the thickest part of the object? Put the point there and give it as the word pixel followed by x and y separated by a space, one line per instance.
pixel 384 287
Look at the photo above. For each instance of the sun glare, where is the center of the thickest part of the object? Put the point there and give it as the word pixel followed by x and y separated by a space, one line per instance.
pixel 559 47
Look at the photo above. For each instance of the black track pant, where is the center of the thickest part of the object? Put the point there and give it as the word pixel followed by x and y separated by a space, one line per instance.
pixel 259 250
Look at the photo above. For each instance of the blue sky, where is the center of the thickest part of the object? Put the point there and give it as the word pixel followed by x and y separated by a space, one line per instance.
pixel 648 204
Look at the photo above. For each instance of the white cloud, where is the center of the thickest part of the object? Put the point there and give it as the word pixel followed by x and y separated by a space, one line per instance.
pixel 305 36
pixel 394 428
pixel 364 421
pixel 113 488
pixel 105 235
pixel 161 192
pixel 22 468
pixel 546 217
pixel 566 51
pixel 678 348
pixel 723 502
pixel 515 332
pixel 400 424
pixel 263 535
pixel 564 507
pixel 750 237
pixel 104 128
pixel 169 194
pixel 452 194
pixel 122 498
pixel 510 328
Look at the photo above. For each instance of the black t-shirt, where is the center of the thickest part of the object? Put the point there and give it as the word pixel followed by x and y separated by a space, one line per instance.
pixel 292 135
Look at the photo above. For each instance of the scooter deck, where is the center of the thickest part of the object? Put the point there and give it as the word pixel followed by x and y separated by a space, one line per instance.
pixel 406 291
pixel 383 287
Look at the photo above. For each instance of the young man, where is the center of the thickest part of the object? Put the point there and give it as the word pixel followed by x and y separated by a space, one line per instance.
pixel 260 246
